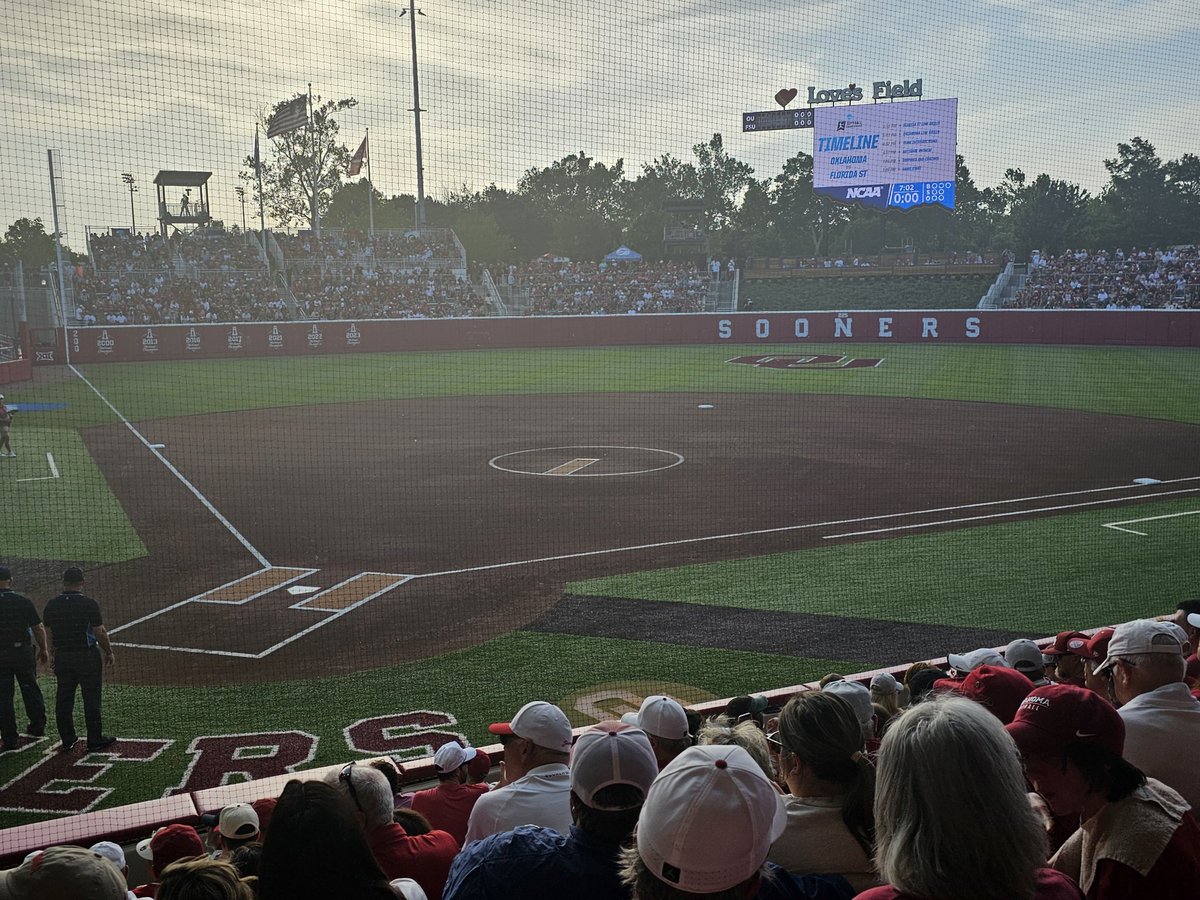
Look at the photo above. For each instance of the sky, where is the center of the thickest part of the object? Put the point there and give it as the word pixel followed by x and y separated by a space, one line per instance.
pixel 115 86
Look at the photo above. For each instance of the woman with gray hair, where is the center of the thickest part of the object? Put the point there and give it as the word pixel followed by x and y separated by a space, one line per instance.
pixel 952 818
pixel 830 818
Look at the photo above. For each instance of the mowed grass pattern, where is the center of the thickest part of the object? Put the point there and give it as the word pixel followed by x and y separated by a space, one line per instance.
pixel 1039 575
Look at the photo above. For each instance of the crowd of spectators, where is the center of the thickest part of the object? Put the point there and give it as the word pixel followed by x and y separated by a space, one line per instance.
pixel 1145 278
pixel 1052 773
pixel 367 294
pixel 207 276
pixel 561 287
pixel 165 298
pixel 336 249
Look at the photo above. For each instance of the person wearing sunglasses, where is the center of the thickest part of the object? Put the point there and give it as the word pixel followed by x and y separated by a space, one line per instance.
pixel 535 788
pixel 830 821
pixel 425 858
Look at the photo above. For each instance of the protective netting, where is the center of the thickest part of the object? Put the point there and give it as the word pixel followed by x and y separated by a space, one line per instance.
pixel 355 484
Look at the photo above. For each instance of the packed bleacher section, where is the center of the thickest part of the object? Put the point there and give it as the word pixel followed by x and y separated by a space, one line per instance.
pixel 1053 771
pixel 354 293
pixel 204 277
pixel 351 249
pixel 1145 278
pixel 560 287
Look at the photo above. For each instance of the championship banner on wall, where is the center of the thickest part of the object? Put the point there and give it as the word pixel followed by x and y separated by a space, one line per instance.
pixel 887 155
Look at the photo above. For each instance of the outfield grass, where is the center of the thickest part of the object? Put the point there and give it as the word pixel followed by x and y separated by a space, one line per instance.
pixel 1155 382
pixel 1039 575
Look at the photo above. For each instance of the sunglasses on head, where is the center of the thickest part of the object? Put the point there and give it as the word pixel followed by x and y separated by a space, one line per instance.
pixel 345 776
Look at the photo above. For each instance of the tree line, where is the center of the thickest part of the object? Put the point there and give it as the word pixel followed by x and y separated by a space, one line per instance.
pixel 581 207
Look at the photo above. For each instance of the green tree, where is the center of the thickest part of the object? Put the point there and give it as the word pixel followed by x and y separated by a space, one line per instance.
pixel 806 220
pixel 294 162
pixel 1139 197
pixel 26 240
pixel 722 180
pixel 582 200
pixel 1047 214
pixel 666 178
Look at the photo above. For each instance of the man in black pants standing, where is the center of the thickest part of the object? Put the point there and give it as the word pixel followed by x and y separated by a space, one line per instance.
pixel 78 637
pixel 21 632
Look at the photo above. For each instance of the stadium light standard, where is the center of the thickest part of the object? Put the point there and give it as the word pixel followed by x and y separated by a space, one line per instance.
pixel 241 195
pixel 132 182
pixel 412 12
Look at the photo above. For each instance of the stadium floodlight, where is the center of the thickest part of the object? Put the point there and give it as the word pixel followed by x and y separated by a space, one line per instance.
pixel 132 182
pixel 241 195
pixel 412 13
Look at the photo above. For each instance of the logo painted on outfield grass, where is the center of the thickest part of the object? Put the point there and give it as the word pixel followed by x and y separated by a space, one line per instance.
pixel 66 783
pixel 822 361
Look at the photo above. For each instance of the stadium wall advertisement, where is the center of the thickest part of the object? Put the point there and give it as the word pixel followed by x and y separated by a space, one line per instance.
pixel 130 343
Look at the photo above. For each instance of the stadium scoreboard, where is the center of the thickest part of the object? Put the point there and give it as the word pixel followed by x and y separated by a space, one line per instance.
pixel 777 119
pixel 887 155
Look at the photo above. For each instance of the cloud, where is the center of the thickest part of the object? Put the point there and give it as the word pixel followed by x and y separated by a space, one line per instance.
pixel 507 85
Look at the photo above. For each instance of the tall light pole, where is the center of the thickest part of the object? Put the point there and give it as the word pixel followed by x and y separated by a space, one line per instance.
pixel 241 195
pixel 131 181
pixel 413 12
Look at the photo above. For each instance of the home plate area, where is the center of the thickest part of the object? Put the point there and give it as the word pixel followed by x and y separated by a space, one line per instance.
pixel 256 614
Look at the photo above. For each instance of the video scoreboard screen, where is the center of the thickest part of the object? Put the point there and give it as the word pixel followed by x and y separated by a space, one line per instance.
pixel 887 155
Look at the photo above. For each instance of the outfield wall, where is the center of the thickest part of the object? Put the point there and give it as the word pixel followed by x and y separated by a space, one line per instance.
pixel 128 343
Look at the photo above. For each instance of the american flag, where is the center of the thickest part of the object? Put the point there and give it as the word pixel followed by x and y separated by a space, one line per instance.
pixel 360 155
pixel 289 117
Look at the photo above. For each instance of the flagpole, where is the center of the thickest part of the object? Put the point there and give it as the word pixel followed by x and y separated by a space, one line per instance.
pixel 262 216
pixel 370 191
pixel 312 146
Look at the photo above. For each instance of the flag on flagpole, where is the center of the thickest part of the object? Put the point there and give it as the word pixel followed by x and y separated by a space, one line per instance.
pixel 290 116
pixel 257 158
pixel 360 155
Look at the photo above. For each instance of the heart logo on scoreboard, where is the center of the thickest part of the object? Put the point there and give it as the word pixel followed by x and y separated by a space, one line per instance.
pixel 786 96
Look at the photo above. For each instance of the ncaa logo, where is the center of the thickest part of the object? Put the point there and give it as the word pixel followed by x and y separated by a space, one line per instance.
pixel 855 193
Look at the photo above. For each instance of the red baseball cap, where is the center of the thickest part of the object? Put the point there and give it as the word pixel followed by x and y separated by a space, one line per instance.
pixel 1056 715
pixel 1097 645
pixel 999 688
pixel 1068 642
pixel 170 844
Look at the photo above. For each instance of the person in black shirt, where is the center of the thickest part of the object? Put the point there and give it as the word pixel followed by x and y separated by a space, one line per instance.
pixel 78 638
pixel 21 632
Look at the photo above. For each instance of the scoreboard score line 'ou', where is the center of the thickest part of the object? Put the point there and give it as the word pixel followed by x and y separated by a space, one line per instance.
pixel 887 155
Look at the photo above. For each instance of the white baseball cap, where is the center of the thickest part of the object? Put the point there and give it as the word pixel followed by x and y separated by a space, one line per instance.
pixel 709 820
pixel 541 723
pixel 451 756
pixel 1194 620
pixel 1024 655
pixel 1142 636
pixel 858 696
pixel 238 822
pixel 611 753
pixel 885 683
pixel 969 662
pixel 660 716
pixel 110 851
